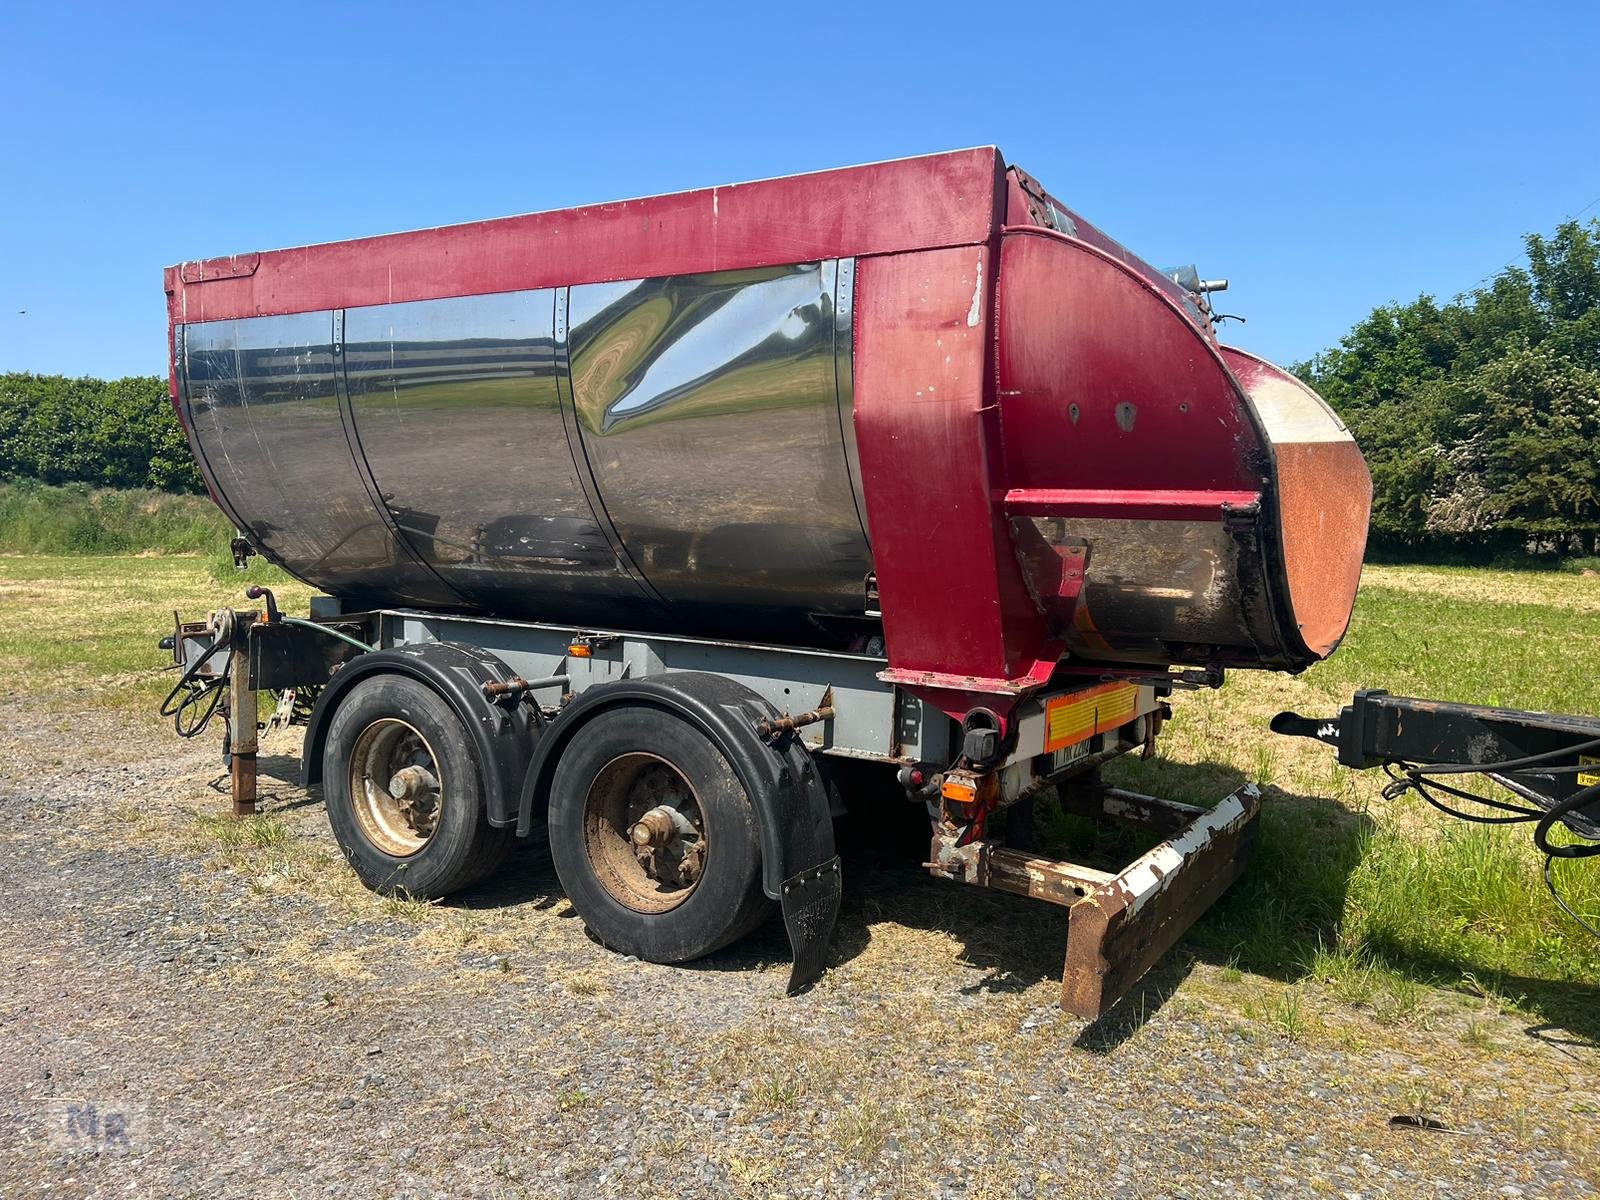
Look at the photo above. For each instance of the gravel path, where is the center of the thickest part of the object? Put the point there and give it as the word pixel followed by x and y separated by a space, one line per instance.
pixel 245 1020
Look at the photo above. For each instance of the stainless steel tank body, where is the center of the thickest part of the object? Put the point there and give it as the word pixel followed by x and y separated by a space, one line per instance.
pixel 662 453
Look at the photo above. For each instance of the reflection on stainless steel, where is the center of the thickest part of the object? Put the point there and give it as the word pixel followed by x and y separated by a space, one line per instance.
pixel 689 444
pixel 844 294
pixel 456 405
pixel 1150 586
pixel 261 398
pixel 708 407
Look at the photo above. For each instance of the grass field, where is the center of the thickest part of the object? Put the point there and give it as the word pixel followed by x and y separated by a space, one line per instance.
pixel 1375 898
pixel 74 518
pixel 1362 901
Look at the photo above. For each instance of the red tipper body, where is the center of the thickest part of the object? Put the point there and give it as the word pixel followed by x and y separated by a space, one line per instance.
pixel 1053 465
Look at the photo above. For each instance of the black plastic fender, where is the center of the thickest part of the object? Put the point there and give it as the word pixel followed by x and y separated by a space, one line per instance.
pixel 503 735
pixel 799 865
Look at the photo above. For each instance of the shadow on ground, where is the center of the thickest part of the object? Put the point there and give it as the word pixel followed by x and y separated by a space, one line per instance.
pixel 1272 922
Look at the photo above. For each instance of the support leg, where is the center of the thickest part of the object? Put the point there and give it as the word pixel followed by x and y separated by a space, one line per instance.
pixel 242 731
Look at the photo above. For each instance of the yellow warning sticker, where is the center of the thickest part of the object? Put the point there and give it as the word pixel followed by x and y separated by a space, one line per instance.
pixel 1079 715
pixel 1588 778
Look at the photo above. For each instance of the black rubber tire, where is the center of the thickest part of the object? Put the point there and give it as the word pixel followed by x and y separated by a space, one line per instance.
pixel 726 903
pixel 464 847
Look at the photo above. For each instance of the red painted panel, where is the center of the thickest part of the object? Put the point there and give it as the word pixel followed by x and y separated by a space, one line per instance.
pixel 955 608
pixel 936 200
pixel 234 266
pixel 1028 203
pixel 1122 505
pixel 1106 384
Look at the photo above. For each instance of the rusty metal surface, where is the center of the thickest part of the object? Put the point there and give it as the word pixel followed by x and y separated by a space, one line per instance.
pixel 397 787
pixel 787 724
pixel 1039 878
pixel 1148 584
pixel 1324 497
pixel 1118 925
pixel 645 833
pixel 1090 798
pixel 1117 931
pixel 242 715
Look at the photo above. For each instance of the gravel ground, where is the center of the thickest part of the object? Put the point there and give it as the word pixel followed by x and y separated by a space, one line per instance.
pixel 245 1020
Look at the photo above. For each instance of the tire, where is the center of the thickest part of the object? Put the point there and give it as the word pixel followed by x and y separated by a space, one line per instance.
pixel 428 847
pixel 637 758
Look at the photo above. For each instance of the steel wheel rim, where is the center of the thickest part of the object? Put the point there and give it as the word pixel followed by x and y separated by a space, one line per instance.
pixel 635 796
pixel 396 788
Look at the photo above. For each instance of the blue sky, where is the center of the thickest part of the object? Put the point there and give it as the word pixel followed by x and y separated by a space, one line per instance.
pixel 1326 158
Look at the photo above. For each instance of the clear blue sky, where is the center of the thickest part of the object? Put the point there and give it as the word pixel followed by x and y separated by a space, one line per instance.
pixel 1327 158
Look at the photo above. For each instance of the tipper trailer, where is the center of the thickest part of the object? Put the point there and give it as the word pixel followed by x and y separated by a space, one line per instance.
pixel 636 521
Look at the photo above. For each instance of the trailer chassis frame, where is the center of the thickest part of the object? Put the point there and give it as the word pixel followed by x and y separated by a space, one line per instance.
pixel 1119 924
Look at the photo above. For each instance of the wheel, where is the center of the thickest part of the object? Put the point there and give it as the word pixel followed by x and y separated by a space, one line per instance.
pixel 654 838
pixel 403 791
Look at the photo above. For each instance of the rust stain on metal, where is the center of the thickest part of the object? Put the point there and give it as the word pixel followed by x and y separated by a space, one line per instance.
pixel 1118 925
pixel 787 724
pixel 242 715
pixel 1116 934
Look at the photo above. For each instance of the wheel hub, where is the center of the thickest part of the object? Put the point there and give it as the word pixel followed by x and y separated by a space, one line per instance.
pixel 668 846
pixel 395 787
pixel 645 833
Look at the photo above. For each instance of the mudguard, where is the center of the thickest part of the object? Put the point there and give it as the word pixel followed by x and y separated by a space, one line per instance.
pixel 799 866
pixel 502 736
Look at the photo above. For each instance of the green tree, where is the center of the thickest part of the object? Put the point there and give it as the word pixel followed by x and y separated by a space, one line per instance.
pixel 121 433
pixel 1526 455
pixel 1477 416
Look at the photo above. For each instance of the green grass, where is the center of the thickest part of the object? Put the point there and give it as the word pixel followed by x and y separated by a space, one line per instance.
pixel 1519 640
pixel 259 831
pixel 1375 898
pixel 83 629
pixel 77 519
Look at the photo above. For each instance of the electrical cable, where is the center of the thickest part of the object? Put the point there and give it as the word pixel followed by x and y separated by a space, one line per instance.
pixel 1423 779
pixel 194 701
pixel 192 695
pixel 1541 832
pixel 1510 766
pixel 1550 882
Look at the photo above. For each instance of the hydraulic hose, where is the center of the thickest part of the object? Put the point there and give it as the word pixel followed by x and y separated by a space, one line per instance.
pixel 334 633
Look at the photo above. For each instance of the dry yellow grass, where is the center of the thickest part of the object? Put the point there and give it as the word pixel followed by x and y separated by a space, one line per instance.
pixel 1549 589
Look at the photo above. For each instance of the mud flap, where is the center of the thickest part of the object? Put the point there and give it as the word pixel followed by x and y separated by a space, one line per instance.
pixel 810 903
pixel 1118 930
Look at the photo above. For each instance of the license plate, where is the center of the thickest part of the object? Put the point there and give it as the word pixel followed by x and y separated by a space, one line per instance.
pixel 1067 755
